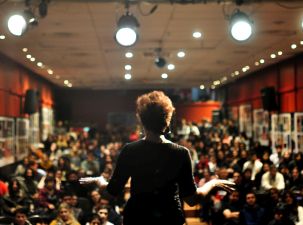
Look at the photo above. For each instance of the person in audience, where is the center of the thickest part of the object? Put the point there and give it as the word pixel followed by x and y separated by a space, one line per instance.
pixel 231 210
pixel 165 173
pixel 272 179
pixel 103 212
pixel 95 220
pixel 20 217
pixel 65 216
pixel 280 217
pixel 292 209
pixel 254 164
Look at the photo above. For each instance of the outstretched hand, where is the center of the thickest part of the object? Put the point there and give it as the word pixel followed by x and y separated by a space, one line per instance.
pixel 224 184
pixel 100 181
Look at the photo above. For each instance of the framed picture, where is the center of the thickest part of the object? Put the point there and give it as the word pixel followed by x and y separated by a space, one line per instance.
pixel 298 132
pixel 22 138
pixel 245 119
pixel 7 141
pixel 281 131
pixel 261 126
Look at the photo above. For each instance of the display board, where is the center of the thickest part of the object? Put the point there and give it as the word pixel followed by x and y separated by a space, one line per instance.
pixel 22 138
pixel 245 120
pixel 7 141
pixel 261 126
pixel 47 123
pixel 281 131
pixel 298 132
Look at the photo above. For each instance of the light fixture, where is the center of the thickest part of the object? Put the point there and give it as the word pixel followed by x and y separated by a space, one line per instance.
pixel 129 54
pixel 126 34
pixel 28 56
pixel 128 76
pixel 202 87
pixel 2 37
pixel 293 46
pixel 40 64
pixel 301 42
pixel 127 67
pixel 160 62
pixel 240 26
pixel 280 52
pixel 257 63
pixel 57 77
pixel 164 75
pixel 197 34
pixel 69 85
pixel 33 59
pixel 66 82
pixel 50 71
pixel 212 86
pixel 19 23
pixel 181 54
pixel 262 61
pixel 170 66
pixel 237 73
pixel 24 49
pixel 273 56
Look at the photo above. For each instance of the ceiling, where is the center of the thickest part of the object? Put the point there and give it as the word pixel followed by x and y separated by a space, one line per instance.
pixel 75 40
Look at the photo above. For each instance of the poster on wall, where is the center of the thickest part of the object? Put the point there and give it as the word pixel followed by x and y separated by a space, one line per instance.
pixel 281 131
pixel 22 138
pixel 47 122
pixel 245 120
pixel 233 113
pixel 298 132
pixel 6 141
pixel 261 126
pixel 34 129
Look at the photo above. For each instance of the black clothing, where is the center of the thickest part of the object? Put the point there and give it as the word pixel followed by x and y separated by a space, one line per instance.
pixel 160 174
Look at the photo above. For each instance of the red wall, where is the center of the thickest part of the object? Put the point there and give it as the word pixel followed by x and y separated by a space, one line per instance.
pixel 286 77
pixel 14 81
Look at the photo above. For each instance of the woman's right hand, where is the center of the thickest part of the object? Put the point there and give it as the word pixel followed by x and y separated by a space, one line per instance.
pixel 220 183
pixel 100 181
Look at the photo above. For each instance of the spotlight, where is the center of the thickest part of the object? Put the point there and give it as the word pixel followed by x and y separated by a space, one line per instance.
pixel 127 35
pixel 240 26
pixel 160 62
pixel 18 23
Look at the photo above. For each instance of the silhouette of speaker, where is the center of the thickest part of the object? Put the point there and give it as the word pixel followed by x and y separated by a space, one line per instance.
pixel 31 102
pixel 269 99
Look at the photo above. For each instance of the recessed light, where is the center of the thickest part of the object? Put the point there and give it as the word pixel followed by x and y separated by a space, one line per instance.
pixel 197 34
pixel 70 85
pixel 28 56
pixel 216 82
pixel 170 66
pixel 24 49
pixel 2 37
pixel 40 64
pixel 33 59
pixel 164 75
pixel 280 52
pixel 129 54
pixel 257 63
pixel 181 54
pixel 232 74
pixel 301 42
pixel 262 61
pixel 66 82
pixel 213 87
pixel 57 77
pixel 50 71
pixel 128 67
pixel 128 76
pixel 293 46
pixel 202 87
pixel 273 56
pixel 237 73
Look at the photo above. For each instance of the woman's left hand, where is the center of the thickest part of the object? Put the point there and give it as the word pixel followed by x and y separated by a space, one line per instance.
pixel 220 183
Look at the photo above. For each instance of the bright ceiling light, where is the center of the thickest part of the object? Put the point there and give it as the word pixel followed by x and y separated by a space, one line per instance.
pixel 237 73
pixel 50 71
pixel 17 25
pixel 202 87
pixel 127 76
pixel 57 77
pixel 2 37
pixel 127 34
pixel 262 61
pixel 197 34
pixel 28 56
pixel 301 42
pixel 128 67
pixel 273 56
pixel 24 49
pixel 69 85
pixel 66 82
pixel 280 52
pixel 240 26
pixel 293 46
pixel 257 63
pixel 40 64
pixel 170 66
pixel 33 59
pixel 164 75
pixel 213 87
pixel 129 54
pixel 181 54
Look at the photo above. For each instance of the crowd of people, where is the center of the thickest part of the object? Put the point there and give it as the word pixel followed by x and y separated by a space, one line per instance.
pixel 45 188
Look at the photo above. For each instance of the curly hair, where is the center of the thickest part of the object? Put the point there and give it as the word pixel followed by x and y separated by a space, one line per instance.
pixel 155 111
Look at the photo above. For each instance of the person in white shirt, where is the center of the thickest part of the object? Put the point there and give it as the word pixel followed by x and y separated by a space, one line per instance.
pixel 272 179
pixel 254 164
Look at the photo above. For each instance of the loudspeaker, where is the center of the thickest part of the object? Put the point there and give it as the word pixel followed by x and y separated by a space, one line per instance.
pixel 31 102
pixel 269 99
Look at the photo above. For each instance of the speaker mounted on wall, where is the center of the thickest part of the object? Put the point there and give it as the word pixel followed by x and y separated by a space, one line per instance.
pixel 31 103
pixel 269 100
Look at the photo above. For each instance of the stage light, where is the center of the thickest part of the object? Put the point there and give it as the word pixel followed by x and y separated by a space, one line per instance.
pixel 18 23
pixel 2 37
pixel 202 87
pixel 197 34
pixel 160 62
pixel 181 54
pixel 129 55
pixel 164 75
pixel 170 66
pixel 127 76
pixel 127 34
pixel 240 26
pixel 128 67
